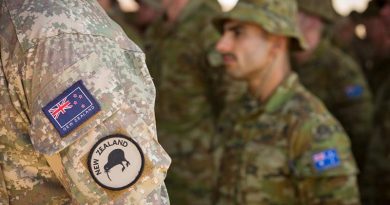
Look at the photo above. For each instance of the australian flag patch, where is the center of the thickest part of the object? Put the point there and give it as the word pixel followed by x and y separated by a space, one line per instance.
pixel 71 108
pixel 354 91
pixel 326 159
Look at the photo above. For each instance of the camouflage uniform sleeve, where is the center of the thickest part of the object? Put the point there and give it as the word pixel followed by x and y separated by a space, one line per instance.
pixel 4 200
pixel 111 156
pixel 353 105
pixel 376 180
pixel 322 163
pixel 159 197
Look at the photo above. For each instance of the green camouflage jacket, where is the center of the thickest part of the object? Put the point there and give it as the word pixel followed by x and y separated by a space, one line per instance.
pixel 289 150
pixel 73 85
pixel 338 81
pixel 377 171
pixel 180 58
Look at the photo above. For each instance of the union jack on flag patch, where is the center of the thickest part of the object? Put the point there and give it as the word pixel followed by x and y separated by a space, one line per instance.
pixel 60 108
pixel 326 159
pixel 71 108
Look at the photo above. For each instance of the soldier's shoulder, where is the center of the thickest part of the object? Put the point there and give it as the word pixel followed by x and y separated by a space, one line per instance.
pixel 312 119
pixel 35 22
pixel 303 104
pixel 337 57
pixel 319 145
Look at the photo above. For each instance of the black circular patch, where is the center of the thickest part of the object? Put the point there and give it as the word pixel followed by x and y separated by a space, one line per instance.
pixel 116 162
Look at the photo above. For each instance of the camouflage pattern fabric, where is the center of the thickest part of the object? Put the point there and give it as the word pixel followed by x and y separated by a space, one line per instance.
pixel 338 81
pixel 131 31
pixel 274 16
pixel 3 189
pixel 321 8
pixel 186 74
pixel 269 152
pixel 46 46
pixel 377 172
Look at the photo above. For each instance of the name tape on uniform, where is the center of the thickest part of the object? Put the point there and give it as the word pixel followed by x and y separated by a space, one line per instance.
pixel 71 108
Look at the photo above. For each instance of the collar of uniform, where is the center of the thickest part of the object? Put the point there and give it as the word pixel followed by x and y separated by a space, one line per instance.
pixel 276 101
pixel 282 94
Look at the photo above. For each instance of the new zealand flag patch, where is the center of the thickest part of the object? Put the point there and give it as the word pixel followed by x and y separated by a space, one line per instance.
pixel 71 108
pixel 326 159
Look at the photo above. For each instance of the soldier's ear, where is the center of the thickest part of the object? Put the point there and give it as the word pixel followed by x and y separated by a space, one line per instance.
pixel 275 44
pixel 279 43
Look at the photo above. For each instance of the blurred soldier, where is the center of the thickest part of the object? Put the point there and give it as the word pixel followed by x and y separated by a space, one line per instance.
pixel 377 170
pixel 76 101
pixel 181 62
pixel 334 76
pixel 375 53
pixel 113 10
pixel 282 145
pixel 377 174
pixel 372 51
pixel 149 11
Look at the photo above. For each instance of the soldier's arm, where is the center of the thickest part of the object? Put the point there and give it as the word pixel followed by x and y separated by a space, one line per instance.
pixel 4 199
pixel 323 166
pixel 94 112
pixel 159 197
pixel 353 103
pixel 330 190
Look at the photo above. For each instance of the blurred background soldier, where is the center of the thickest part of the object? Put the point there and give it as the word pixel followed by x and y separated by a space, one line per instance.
pixel 77 122
pixel 115 13
pixel 372 51
pixel 334 76
pixel 133 18
pixel 148 12
pixel 181 60
pixel 282 146
pixel 377 173
pixel 376 57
